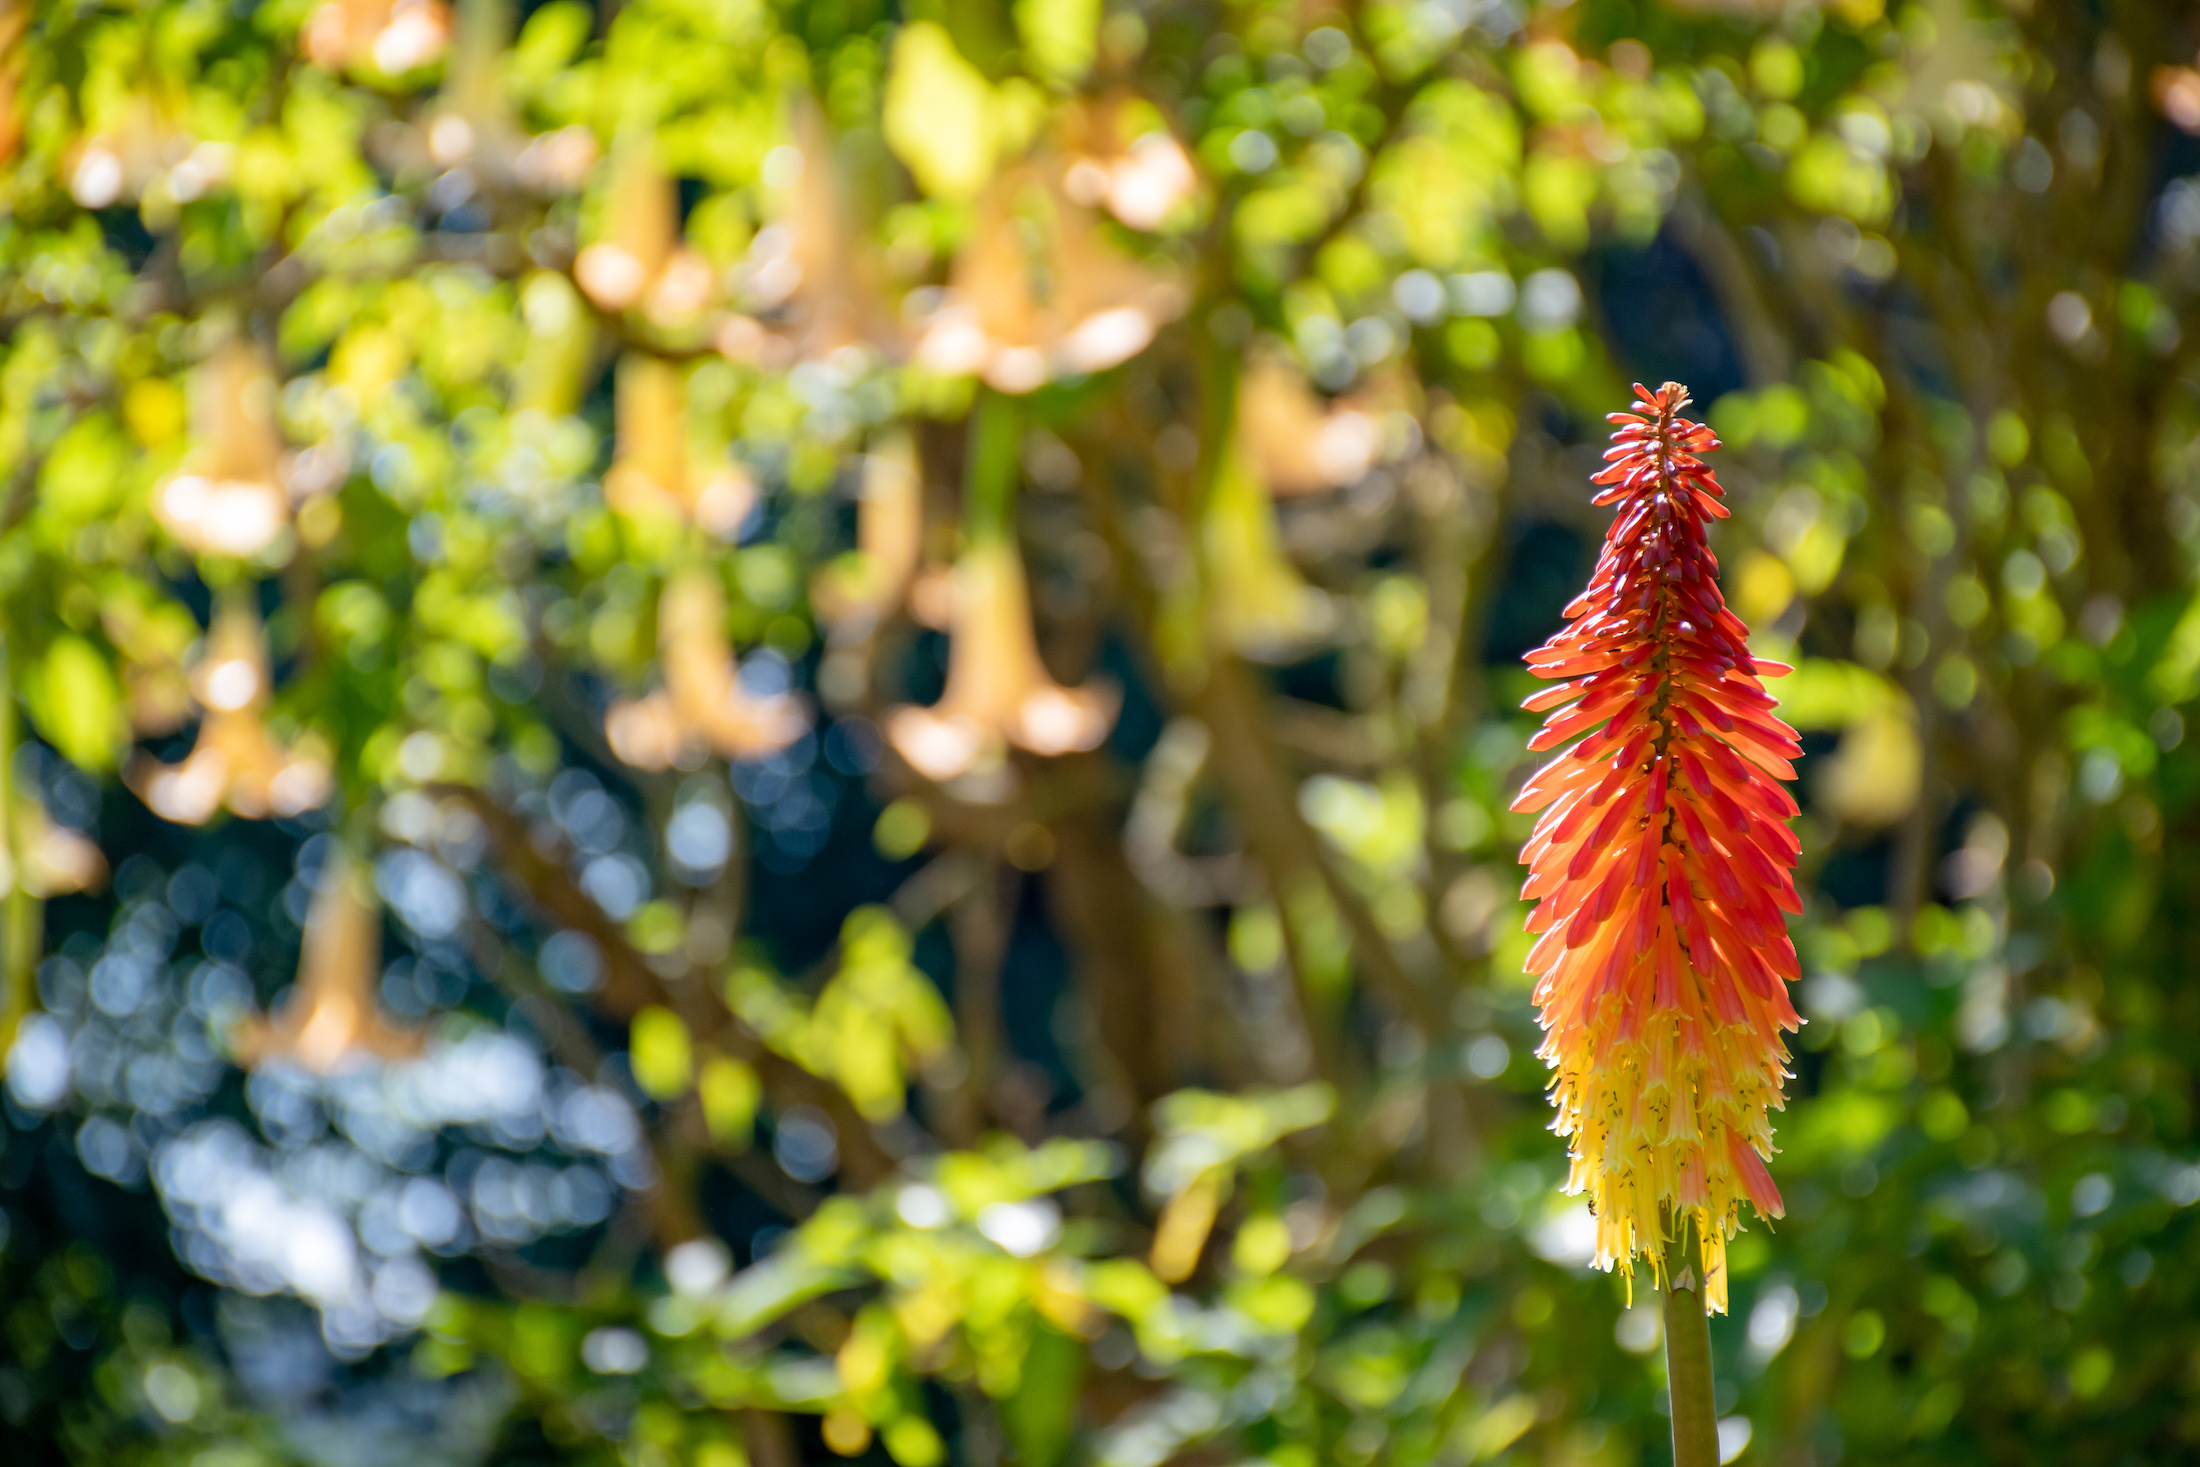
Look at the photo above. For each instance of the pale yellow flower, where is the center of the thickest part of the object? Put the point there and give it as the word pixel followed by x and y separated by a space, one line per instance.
pixel 811 270
pixel 659 469
pixel 54 859
pixel 1020 317
pixel 998 691
pixel 1141 176
pixel 856 591
pixel 235 762
pixel 329 1020
pixel 1300 444
pixel 639 262
pixel 702 706
pixel 228 498
pixel 389 36
pixel 1258 603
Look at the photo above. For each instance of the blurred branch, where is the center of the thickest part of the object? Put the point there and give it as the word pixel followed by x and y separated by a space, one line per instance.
pixel 979 922
pixel 936 886
pixel 1442 683
pixel 1762 345
pixel 1359 742
pixel 1156 820
pixel 630 985
pixel 1284 842
pixel 21 941
pixel 1145 978
pixel 768 1440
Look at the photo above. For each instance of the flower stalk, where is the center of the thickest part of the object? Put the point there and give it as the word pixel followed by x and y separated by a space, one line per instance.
pixel 998 692
pixel 1688 1366
pixel 20 921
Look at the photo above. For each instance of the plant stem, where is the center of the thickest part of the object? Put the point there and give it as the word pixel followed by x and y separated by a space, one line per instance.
pixel 1688 1355
pixel 20 936
pixel 990 475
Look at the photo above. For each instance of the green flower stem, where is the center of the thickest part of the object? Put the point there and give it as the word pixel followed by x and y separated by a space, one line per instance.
pixel 989 478
pixel 22 933
pixel 1220 366
pixel 1688 1355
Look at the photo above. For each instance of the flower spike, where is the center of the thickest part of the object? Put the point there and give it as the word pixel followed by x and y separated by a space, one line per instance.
pixel 1660 865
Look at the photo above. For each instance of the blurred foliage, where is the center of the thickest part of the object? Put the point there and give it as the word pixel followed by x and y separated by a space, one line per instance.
pixel 743 731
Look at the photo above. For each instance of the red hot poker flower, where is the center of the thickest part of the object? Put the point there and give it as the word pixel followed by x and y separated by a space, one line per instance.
pixel 1660 866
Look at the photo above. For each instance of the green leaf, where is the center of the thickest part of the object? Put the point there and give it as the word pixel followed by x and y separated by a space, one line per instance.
pixel 86 472
pixel 1823 693
pixel 553 36
pixel 1059 36
pixel 730 1093
pixel 661 1053
pixel 77 704
pixel 1041 1415
pixel 940 115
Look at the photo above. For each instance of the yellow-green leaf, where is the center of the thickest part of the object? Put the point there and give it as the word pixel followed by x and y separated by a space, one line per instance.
pixel 1059 36
pixel 661 1053
pixel 730 1093
pixel 86 471
pixel 76 703
pixel 940 117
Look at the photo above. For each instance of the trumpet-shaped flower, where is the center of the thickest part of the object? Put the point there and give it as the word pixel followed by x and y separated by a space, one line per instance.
pixel 1139 173
pixel 702 705
pixel 1299 444
pixel 810 270
pixel 1258 603
pixel 391 37
pixel 659 469
pixel 1660 865
pixel 52 859
pixel 473 119
pixel 228 498
pixel 138 145
pixel 236 761
pixel 1020 318
pixel 998 691
pixel 329 1021
pixel 855 591
pixel 639 261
